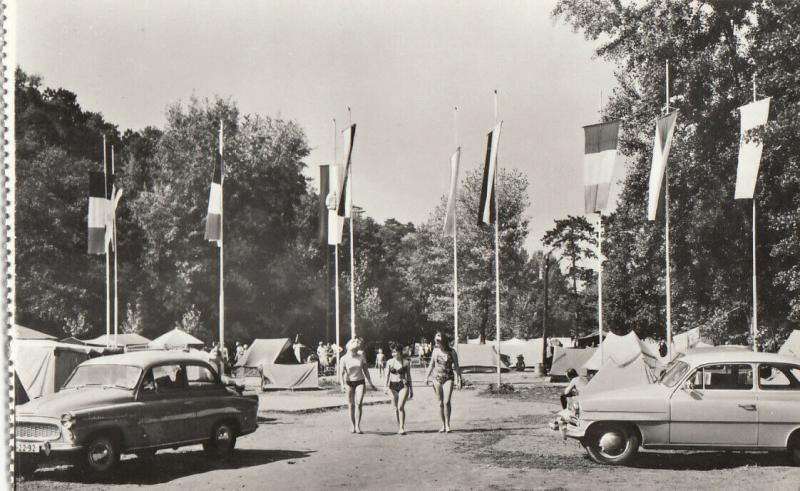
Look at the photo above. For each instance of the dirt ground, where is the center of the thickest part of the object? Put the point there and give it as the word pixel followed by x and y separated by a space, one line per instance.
pixel 498 442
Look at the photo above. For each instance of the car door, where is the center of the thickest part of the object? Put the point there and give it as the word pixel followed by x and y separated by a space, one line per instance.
pixel 209 396
pixel 717 407
pixel 167 409
pixel 778 403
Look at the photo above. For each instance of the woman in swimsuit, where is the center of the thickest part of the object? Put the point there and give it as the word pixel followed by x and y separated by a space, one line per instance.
pixel 353 372
pixel 398 381
pixel 444 366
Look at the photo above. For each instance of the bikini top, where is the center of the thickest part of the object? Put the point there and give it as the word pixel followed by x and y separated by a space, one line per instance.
pixel 397 373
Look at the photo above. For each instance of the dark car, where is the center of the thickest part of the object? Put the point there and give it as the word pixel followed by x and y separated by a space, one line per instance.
pixel 136 402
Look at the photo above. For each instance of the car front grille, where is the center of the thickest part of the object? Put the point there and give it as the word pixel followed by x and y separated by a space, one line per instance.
pixel 37 431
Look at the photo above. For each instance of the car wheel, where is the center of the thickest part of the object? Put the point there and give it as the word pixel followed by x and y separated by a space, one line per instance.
pixel 223 439
pixel 613 444
pixel 100 456
pixel 794 450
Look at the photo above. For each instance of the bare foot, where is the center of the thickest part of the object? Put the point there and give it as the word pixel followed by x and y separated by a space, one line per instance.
pixel 447 430
pixel 358 430
pixel 401 431
pixel 441 430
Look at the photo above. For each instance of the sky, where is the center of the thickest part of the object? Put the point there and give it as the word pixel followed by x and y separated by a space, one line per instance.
pixel 401 66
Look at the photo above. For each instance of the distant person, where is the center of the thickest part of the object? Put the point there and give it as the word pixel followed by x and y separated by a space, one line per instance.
pixel 380 361
pixel 444 366
pixel 321 350
pixel 353 373
pixel 239 351
pixel 398 383
pixel 575 386
pixel 215 359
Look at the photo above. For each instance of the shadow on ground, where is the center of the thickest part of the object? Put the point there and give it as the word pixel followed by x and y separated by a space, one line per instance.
pixel 168 466
pixel 705 461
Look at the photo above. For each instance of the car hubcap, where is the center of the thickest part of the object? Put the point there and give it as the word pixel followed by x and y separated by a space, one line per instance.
pixel 223 435
pixel 99 454
pixel 612 443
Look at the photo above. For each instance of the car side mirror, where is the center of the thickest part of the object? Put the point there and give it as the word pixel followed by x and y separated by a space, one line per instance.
pixel 688 386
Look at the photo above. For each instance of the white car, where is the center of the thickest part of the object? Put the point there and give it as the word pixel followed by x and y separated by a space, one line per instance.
pixel 707 400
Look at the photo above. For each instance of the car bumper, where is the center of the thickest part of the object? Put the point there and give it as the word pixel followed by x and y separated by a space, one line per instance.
pixel 46 451
pixel 574 430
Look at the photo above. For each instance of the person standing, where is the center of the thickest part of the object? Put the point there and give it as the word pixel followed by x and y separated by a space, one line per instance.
pixel 380 361
pixel 444 366
pixel 398 383
pixel 353 373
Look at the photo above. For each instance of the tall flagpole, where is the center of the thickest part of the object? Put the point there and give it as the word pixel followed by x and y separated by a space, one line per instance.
pixel 114 239
pixel 496 253
pixel 455 241
pixel 108 257
pixel 221 245
pixel 666 226
pixel 600 265
pixel 336 259
pixel 352 245
pixel 755 291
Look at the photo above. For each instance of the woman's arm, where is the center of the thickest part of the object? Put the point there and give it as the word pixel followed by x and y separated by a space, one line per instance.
pixel 342 371
pixel 408 378
pixel 456 368
pixel 365 369
pixel 386 382
pixel 430 366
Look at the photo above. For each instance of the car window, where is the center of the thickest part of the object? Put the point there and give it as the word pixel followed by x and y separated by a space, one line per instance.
pixel 724 377
pixel 169 378
pixel 199 376
pixel 778 377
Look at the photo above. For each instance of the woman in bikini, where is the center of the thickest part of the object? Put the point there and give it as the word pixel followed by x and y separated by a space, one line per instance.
pixel 444 366
pixel 398 382
pixel 353 372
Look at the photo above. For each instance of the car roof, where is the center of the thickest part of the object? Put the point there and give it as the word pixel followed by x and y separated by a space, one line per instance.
pixel 723 355
pixel 144 359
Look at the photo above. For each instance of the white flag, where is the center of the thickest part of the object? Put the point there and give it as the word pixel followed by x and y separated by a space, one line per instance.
pixel 665 127
pixel 753 115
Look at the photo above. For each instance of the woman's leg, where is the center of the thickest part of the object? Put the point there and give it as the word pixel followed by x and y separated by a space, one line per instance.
pixel 395 406
pixel 352 407
pixel 401 408
pixel 359 400
pixel 447 392
pixel 437 387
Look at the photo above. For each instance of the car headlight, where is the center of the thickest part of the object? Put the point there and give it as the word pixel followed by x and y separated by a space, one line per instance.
pixel 67 420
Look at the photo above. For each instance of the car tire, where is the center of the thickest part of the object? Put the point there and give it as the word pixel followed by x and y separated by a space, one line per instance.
pixel 100 456
pixel 612 444
pixel 794 450
pixel 223 439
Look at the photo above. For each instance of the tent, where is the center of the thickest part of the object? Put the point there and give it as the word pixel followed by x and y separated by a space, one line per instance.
pixel 43 365
pixel 275 362
pixel 792 345
pixel 691 339
pixel 622 350
pixel 22 332
pixel 122 340
pixel 530 349
pixel 612 376
pixel 566 358
pixel 176 338
pixel 478 357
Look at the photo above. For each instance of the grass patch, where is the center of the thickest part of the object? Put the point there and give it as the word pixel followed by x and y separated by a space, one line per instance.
pixel 543 393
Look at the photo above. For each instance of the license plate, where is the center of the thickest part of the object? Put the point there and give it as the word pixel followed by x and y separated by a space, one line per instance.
pixel 27 447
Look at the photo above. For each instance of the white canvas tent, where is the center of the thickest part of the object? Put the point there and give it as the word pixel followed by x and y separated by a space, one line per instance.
pixel 122 340
pixel 792 345
pixel 275 362
pixel 176 338
pixel 478 357
pixel 22 332
pixel 622 350
pixel 691 339
pixel 43 365
pixel 612 376
pixel 566 358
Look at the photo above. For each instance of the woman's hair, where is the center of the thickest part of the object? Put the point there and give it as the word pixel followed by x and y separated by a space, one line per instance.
pixel 445 338
pixel 572 373
pixel 352 343
pixel 397 348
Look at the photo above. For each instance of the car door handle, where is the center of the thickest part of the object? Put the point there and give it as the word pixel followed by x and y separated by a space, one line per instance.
pixel 748 407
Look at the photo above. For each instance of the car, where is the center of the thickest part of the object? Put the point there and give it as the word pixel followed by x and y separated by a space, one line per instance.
pixel 703 400
pixel 137 402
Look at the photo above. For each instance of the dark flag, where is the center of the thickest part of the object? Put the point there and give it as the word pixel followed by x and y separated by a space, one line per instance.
pixel 98 213
pixel 487 214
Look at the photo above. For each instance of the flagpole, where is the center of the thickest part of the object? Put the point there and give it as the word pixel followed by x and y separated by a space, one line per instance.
pixel 455 240
pixel 336 261
pixel 666 227
pixel 352 245
pixel 108 257
pixel 600 264
pixel 755 291
pixel 497 255
pixel 221 247
pixel 114 239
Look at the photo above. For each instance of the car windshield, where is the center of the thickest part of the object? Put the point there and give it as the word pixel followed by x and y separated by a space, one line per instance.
pixel 674 373
pixel 121 376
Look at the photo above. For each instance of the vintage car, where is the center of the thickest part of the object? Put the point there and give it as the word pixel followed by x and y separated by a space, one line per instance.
pixel 707 400
pixel 136 402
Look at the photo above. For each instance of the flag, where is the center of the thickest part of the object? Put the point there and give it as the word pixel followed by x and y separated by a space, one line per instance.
pixel 98 213
pixel 600 152
pixel 345 192
pixel 486 211
pixel 324 189
pixel 665 127
pixel 335 222
pixel 214 217
pixel 753 115
pixel 450 222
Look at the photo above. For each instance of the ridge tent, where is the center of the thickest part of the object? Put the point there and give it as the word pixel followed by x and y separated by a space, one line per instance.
pixel 566 358
pixel 42 365
pixel 622 350
pixel 22 332
pixel 274 361
pixel 478 358
pixel 612 376
pixel 176 338
pixel 530 349
pixel 123 340
pixel 792 345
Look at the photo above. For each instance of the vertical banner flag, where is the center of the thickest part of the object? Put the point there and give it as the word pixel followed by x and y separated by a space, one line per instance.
pixel 214 217
pixel 335 222
pixel 345 198
pixel 665 127
pixel 486 211
pixel 600 153
pixel 450 222
pixel 324 189
pixel 753 115
pixel 98 213
pixel 110 201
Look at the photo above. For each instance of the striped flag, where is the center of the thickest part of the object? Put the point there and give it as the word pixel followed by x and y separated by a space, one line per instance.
pixel 345 195
pixel 486 211
pixel 665 127
pixel 98 213
pixel 600 152
pixel 324 189
pixel 335 222
pixel 753 115
pixel 214 217
pixel 450 222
